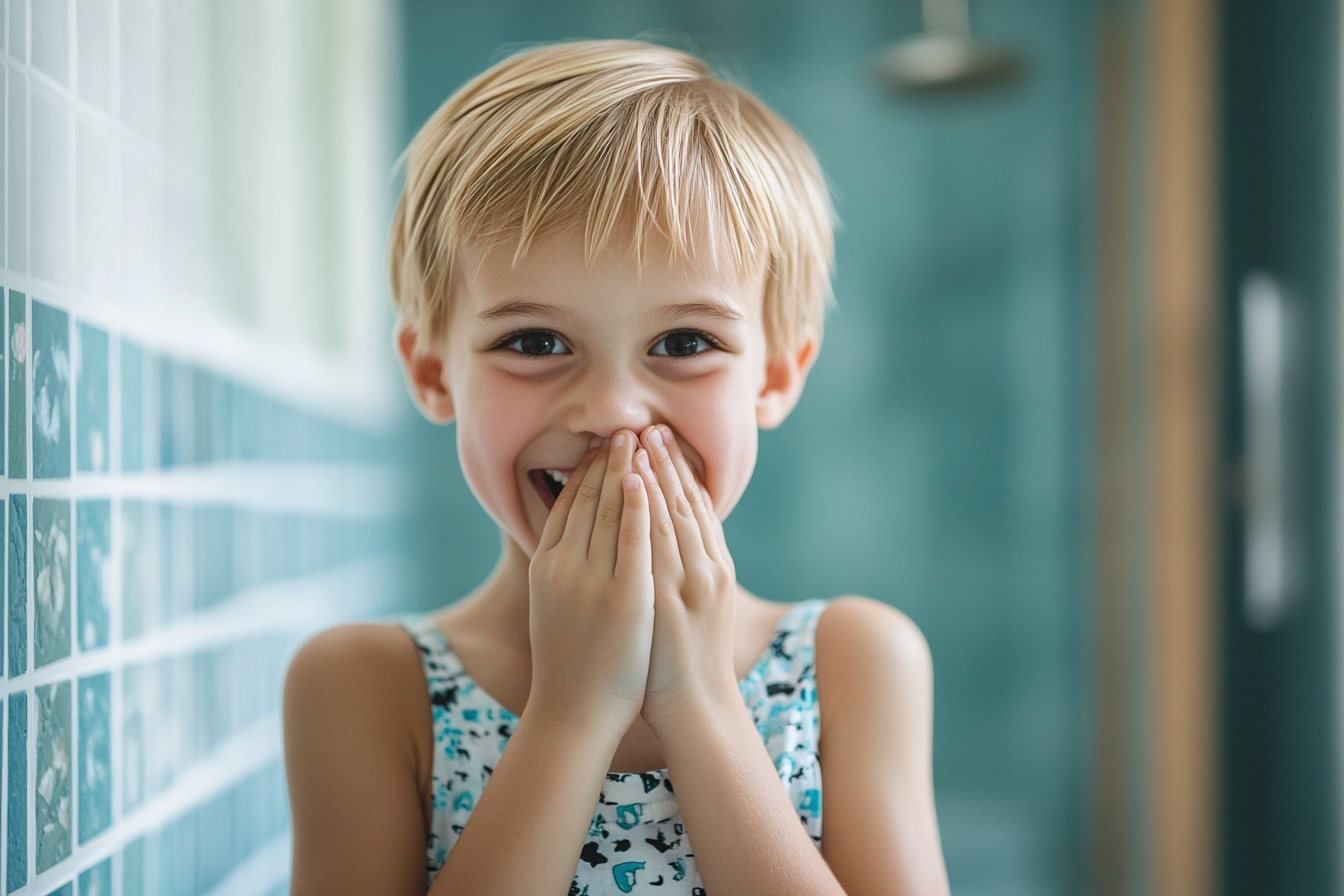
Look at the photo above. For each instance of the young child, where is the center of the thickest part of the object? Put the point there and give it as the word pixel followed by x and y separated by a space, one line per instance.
pixel 611 270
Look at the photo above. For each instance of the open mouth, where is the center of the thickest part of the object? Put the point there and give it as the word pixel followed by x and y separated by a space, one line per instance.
pixel 549 484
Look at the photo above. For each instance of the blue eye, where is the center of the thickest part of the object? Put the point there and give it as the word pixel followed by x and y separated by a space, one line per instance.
pixel 535 343
pixel 683 344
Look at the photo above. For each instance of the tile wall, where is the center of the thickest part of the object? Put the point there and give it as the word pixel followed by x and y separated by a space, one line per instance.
pixel 182 507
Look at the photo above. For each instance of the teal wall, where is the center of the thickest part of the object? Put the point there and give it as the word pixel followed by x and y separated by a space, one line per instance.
pixel 939 460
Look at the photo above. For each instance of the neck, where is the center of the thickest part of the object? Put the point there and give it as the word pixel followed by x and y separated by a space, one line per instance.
pixel 503 596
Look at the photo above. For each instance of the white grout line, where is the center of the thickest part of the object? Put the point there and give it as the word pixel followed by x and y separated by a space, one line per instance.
pixel 345 490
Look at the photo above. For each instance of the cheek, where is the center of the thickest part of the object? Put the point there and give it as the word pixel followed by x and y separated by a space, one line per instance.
pixel 488 444
pixel 720 438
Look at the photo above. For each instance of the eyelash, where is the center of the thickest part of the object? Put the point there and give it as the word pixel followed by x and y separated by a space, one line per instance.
pixel 509 338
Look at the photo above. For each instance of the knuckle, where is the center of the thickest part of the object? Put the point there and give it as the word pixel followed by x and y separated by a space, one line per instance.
pixel 607 515
pixel 589 491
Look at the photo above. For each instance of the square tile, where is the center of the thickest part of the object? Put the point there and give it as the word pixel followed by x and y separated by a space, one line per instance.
pixel 139 698
pixel 16 581
pixel 97 881
pixel 93 571
pixel 93 28
pixel 51 392
pixel 50 225
pixel 133 868
pixel 51 580
pixel 92 438
pixel 53 803
pixel 16 809
pixel 95 755
pixel 16 143
pixel 132 408
pixel 96 255
pixel 50 40
pixel 18 30
pixel 140 568
pixel 18 385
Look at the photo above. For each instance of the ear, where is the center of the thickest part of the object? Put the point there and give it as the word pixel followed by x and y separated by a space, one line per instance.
pixel 784 380
pixel 424 375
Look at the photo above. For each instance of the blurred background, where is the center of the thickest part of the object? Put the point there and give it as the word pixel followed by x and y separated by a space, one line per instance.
pixel 1076 412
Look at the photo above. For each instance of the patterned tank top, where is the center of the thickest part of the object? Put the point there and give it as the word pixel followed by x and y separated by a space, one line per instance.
pixel 636 842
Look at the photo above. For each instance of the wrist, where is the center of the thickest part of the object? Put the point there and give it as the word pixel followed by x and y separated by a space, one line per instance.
pixel 695 709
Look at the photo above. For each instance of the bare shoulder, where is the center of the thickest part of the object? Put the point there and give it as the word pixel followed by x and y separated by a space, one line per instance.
pixel 364 666
pixel 875 695
pixel 358 754
pixel 866 648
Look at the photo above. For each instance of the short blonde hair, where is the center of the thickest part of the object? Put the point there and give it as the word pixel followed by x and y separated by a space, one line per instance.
pixel 628 140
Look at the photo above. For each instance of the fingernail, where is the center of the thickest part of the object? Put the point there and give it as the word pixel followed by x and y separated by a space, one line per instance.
pixel 594 442
pixel 618 441
pixel 666 433
pixel 642 460
pixel 655 437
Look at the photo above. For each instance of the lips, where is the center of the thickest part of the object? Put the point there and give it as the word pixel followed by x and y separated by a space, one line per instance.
pixel 548 483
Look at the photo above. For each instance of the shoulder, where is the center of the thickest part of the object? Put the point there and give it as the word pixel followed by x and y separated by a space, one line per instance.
pixel 358 689
pixel 875 695
pixel 358 662
pixel 863 647
pixel 358 758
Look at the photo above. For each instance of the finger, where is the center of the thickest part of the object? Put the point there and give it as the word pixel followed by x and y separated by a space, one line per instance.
pixel 684 521
pixel 607 521
pixel 666 554
pixel 554 529
pixel 579 525
pixel 711 529
pixel 633 554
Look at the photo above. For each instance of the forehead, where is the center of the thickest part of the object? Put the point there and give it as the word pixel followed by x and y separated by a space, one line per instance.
pixel 553 277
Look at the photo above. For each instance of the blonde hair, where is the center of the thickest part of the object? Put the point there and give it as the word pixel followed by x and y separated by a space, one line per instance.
pixel 628 140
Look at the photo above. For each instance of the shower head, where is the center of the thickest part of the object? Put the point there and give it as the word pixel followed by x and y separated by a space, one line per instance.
pixel 946 55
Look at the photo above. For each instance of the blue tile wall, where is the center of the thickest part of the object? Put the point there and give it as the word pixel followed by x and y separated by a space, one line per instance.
pixel 93 535
pixel 16 582
pixel 133 868
pixel 16 797
pixel 95 752
pixel 132 407
pixel 97 881
pixel 18 385
pixel 51 580
pixel 53 799
pixel 51 392
pixel 173 529
pixel 93 440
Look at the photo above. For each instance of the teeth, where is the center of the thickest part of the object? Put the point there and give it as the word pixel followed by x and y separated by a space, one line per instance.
pixel 559 476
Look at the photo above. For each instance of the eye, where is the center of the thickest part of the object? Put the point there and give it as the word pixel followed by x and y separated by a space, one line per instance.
pixel 684 344
pixel 535 343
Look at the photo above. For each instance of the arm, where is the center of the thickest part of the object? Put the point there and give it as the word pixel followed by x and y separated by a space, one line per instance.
pixel 875 692
pixel 354 704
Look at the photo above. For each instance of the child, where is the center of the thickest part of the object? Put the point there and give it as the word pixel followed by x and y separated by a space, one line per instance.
pixel 611 270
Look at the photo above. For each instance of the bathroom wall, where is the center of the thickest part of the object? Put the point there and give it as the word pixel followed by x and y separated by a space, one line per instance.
pixel 196 453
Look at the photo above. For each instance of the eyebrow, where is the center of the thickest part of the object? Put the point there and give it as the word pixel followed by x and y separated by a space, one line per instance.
pixel 514 308
pixel 519 308
pixel 716 310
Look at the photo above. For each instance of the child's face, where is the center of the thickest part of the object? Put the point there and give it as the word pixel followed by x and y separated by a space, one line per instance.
pixel 545 355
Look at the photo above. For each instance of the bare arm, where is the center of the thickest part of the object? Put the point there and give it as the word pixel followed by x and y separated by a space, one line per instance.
pixel 875 692
pixel 355 699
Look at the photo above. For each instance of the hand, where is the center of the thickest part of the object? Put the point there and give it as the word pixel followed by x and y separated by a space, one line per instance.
pixel 592 595
pixel 695 585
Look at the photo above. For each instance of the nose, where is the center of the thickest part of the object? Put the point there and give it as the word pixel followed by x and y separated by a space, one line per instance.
pixel 608 398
